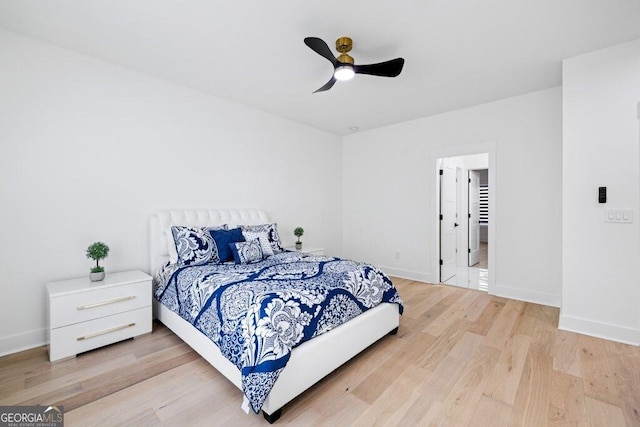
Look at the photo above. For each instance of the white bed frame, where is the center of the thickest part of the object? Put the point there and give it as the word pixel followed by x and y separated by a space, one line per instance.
pixel 309 362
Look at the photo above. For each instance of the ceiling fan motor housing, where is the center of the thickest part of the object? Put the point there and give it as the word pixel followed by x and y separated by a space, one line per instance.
pixel 344 44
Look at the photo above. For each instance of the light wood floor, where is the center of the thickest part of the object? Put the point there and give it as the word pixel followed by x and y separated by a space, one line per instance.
pixel 483 258
pixel 461 357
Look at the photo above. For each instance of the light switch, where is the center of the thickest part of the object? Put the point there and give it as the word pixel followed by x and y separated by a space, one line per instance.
pixel 618 215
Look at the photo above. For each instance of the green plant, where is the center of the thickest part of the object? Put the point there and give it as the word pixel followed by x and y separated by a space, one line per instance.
pixel 298 232
pixel 97 251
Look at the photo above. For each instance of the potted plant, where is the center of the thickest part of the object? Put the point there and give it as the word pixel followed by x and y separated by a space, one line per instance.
pixel 97 251
pixel 298 232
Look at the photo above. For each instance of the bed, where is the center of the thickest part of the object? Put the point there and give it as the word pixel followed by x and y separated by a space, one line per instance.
pixel 307 362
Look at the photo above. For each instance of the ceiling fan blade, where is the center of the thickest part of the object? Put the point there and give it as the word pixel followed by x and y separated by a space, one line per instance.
pixel 327 86
pixel 321 48
pixel 385 69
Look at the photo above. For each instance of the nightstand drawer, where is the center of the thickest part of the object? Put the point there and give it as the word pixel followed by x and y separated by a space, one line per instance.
pixel 99 302
pixel 71 340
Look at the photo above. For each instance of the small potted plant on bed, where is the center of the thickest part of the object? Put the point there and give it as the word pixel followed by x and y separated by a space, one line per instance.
pixel 298 232
pixel 97 251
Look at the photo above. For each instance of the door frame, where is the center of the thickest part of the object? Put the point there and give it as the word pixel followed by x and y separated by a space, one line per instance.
pixel 491 148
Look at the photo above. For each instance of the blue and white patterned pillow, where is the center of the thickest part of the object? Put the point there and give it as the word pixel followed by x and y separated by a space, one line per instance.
pixel 247 252
pixel 194 245
pixel 272 233
pixel 263 237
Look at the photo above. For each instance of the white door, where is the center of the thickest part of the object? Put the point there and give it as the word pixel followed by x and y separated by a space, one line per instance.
pixel 474 217
pixel 448 232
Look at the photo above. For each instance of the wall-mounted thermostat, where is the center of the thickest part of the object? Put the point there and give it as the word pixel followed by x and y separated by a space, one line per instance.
pixel 602 194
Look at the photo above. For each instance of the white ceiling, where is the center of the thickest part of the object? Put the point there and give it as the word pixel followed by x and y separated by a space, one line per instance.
pixel 458 53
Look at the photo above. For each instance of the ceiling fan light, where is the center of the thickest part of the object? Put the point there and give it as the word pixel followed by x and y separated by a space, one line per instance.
pixel 344 72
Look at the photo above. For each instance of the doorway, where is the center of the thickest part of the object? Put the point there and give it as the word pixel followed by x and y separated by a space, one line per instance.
pixel 463 213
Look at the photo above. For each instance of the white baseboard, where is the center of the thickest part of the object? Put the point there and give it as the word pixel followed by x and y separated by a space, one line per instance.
pixel 543 298
pixel 406 274
pixel 603 330
pixel 23 341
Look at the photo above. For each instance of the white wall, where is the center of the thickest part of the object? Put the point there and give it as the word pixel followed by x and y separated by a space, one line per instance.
pixel 389 187
pixel 89 150
pixel 601 271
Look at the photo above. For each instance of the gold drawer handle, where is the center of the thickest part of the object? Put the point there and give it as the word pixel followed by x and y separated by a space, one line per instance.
pixel 108 331
pixel 100 304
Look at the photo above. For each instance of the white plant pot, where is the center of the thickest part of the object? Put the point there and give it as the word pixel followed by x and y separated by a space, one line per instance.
pixel 96 277
pixel 298 246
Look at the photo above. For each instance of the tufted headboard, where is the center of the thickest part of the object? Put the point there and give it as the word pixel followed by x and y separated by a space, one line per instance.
pixel 160 227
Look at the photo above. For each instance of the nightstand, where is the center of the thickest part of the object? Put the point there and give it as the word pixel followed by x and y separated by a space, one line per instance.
pixel 84 315
pixel 307 250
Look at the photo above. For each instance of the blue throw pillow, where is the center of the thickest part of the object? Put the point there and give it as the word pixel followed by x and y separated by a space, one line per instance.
pixel 246 252
pixel 223 238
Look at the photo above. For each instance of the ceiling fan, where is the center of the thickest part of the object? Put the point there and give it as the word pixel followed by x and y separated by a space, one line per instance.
pixel 344 67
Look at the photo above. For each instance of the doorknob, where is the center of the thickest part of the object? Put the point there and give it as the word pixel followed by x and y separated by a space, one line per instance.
pixel 455 224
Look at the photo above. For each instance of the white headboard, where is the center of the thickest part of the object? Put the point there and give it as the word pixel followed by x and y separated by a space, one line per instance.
pixel 160 227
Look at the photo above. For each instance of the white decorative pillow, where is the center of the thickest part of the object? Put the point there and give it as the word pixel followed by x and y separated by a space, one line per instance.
pixel 263 238
pixel 272 233
pixel 246 252
pixel 194 245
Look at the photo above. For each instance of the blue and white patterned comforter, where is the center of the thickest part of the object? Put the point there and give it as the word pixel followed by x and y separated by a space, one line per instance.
pixel 256 313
